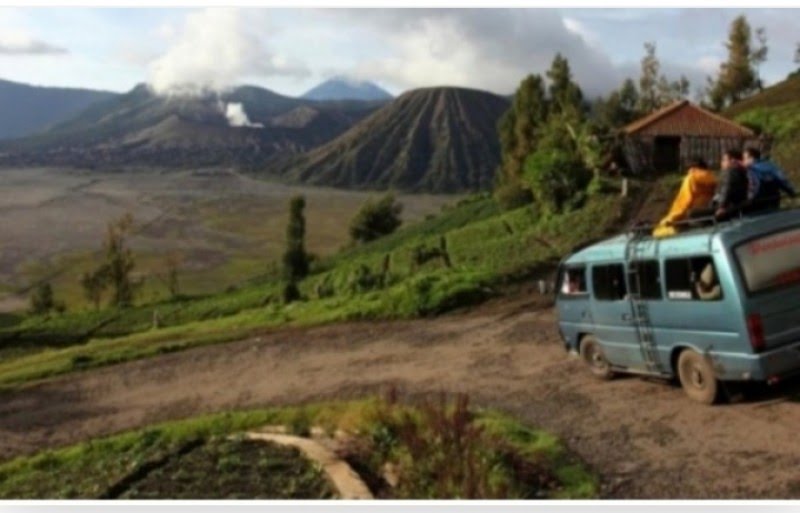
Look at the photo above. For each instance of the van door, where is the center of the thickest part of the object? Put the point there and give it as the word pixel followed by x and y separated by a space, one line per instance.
pixel 574 314
pixel 770 272
pixel 613 317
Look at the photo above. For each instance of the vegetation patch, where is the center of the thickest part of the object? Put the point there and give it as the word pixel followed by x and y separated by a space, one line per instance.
pixel 424 449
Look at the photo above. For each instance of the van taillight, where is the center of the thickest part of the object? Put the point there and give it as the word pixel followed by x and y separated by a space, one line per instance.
pixel 755 327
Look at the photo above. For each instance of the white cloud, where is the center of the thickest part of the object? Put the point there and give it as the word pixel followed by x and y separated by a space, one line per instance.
pixel 17 42
pixel 709 64
pixel 580 30
pixel 215 50
pixel 484 48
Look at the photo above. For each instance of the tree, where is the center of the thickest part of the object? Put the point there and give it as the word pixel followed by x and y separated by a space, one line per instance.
pixel 619 108
pixel 557 172
pixel 519 125
pixel 739 75
pixel 648 80
pixel 295 258
pixel 42 301
pixel 94 284
pixel 564 93
pixel 376 219
pixel 119 261
pixel 655 89
pixel 170 275
pixel 797 54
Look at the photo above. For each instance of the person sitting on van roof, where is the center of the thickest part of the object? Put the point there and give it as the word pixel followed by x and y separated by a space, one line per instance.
pixel 697 191
pixel 734 188
pixel 768 182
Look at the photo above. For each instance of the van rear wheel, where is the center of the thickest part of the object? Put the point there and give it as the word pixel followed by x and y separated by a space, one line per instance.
pixel 697 377
pixel 593 356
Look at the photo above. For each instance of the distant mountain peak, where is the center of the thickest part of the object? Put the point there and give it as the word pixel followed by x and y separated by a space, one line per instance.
pixel 347 88
pixel 438 139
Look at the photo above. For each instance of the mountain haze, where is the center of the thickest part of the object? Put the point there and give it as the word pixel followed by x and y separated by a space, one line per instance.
pixel 436 140
pixel 245 127
pixel 28 109
pixel 341 88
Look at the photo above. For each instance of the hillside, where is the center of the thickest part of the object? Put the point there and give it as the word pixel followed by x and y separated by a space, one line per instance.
pixel 780 94
pixel 435 140
pixel 29 109
pixel 244 127
pixel 341 88
pixel 776 112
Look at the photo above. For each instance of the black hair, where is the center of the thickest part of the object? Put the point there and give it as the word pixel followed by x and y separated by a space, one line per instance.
pixel 733 154
pixel 698 161
pixel 753 152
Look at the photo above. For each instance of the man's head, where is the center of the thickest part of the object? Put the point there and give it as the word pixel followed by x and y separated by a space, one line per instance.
pixel 698 162
pixel 731 158
pixel 751 155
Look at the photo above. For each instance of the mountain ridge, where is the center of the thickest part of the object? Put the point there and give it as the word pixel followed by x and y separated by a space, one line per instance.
pixel 28 109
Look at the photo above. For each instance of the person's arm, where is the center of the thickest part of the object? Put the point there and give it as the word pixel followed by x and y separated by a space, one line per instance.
pixel 784 182
pixel 682 203
pixel 753 184
pixel 724 189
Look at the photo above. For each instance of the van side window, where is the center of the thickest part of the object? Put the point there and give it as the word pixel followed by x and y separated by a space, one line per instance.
pixel 645 273
pixel 692 279
pixel 573 281
pixel 608 282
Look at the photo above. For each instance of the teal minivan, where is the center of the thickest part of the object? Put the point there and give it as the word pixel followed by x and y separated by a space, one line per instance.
pixel 714 304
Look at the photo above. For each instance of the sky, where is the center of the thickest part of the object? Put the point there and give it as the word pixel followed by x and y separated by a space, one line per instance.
pixel 291 50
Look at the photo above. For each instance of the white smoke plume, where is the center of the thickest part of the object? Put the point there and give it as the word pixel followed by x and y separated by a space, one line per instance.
pixel 237 117
pixel 216 50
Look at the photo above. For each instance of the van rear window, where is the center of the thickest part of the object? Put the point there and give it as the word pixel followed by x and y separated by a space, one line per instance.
pixel 771 262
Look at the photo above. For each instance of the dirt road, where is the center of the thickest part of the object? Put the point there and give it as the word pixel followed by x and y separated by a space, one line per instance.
pixel 644 437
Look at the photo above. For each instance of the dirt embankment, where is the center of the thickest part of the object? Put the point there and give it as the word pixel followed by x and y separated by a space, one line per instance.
pixel 644 437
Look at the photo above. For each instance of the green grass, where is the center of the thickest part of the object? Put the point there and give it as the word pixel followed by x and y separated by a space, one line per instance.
pixel 485 248
pixel 392 430
pixel 783 124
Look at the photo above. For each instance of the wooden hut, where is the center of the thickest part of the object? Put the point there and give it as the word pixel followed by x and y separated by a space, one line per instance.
pixel 666 139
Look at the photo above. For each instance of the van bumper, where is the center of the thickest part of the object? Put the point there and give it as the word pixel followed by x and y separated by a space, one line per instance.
pixel 770 366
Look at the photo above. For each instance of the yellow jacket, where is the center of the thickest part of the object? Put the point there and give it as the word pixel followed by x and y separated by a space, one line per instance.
pixel 697 191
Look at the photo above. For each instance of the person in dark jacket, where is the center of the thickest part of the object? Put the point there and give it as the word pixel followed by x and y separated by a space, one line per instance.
pixel 768 181
pixel 734 187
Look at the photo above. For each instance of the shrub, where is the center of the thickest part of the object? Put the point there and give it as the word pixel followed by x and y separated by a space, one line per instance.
pixel 513 195
pixel 558 178
pixel 42 301
pixel 376 219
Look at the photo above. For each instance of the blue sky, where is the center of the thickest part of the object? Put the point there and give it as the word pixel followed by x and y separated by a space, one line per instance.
pixel 290 50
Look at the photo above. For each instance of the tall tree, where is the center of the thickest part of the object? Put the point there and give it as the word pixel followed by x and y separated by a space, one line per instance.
pixel 797 54
pixel 519 126
pixel 295 259
pixel 119 262
pixel 619 108
pixel 564 93
pixel 648 80
pixel 738 76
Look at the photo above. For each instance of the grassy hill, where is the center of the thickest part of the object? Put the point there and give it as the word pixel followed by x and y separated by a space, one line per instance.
pixel 776 112
pixel 457 258
pixel 437 139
